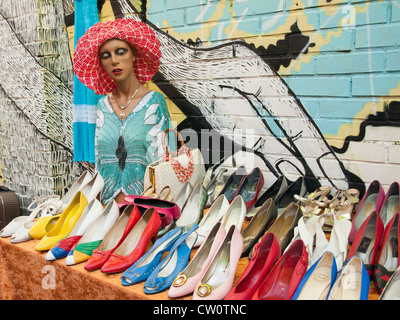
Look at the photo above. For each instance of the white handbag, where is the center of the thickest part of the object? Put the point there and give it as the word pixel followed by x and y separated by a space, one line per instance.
pixel 175 168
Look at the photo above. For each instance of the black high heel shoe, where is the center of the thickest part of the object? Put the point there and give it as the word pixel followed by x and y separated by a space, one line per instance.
pixel 298 187
pixel 251 187
pixel 233 183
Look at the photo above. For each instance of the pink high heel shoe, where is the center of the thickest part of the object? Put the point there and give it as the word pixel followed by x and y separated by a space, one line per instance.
pixel 186 282
pixel 218 278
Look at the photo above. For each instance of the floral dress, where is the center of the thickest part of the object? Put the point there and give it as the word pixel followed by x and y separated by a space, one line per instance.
pixel 123 149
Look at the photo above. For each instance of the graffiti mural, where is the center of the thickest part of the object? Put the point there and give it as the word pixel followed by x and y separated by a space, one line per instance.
pixel 307 88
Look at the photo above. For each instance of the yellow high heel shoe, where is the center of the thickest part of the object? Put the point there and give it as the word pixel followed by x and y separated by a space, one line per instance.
pixel 43 225
pixel 65 223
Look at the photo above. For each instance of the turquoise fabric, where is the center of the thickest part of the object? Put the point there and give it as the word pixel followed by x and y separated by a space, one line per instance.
pixel 125 149
pixel 84 100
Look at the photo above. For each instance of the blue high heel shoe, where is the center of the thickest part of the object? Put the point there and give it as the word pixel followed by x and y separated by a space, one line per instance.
pixel 142 269
pixel 177 259
pixel 318 280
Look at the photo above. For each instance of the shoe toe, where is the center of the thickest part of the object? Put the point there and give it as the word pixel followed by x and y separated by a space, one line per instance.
pixel 70 261
pixel 50 256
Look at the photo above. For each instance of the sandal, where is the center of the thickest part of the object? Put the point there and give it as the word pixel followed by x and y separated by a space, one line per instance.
pixel 316 202
pixel 342 206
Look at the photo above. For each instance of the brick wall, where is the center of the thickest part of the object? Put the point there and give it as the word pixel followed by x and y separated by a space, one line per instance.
pixel 312 87
pixel 340 59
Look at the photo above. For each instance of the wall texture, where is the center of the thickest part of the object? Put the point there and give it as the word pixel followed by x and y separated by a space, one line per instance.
pixel 299 87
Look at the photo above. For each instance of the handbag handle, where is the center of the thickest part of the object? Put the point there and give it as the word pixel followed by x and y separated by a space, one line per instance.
pixel 180 139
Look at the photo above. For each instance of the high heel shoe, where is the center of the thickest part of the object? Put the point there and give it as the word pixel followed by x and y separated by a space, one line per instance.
pixel 92 189
pixel 168 211
pixel 220 274
pixel 281 283
pixel 391 203
pixel 83 179
pixel 371 201
pixel 233 183
pixel 266 254
pixel 62 248
pixel 42 226
pixel 92 238
pixel 47 206
pixel 215 186
pixel 367 241
pixel 114 237
pixel 338 240
pixel 235 214
pixel 176 260
pixel 298 187
pixel 391 290
pixel 142 268
pixel 283 226
pixel 251 187
pixel 210 218
pixel 352 283
pixel 193 210
pixel 135 243
pixel 257 226
pixel 65 223
pixel 185 283
pixel 388 260
pixel 273 192
pixel 318 280
pixel 184 195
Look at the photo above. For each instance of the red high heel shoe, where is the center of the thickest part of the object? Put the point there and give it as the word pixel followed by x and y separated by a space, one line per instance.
pixel 113 238
pixel 367 241
pixel 135 243
pixel 266 254
pixel 388 260
pixel 281 283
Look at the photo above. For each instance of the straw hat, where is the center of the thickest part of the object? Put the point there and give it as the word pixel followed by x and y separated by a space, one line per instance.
pixel 87 65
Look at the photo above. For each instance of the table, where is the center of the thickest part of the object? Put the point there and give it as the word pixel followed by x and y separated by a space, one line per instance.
pixel 26 275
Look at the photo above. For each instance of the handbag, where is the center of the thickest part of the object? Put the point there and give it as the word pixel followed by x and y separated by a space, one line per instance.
pixel 9 206
pixel 175 168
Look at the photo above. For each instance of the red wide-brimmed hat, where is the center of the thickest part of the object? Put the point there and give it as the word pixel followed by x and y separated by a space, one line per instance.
pixel 87 66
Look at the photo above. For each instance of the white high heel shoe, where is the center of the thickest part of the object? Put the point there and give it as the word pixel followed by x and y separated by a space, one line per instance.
pixel 93 236
pixel 46 206
pixel 88 216
pixel 84 178
pixel 235 214
pixel 93 188
pixel 212 216
pixel 183 195
pixel 193 210
pixel 311 232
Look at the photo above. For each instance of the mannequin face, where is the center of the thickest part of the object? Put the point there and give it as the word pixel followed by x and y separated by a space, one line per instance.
pixel 117 57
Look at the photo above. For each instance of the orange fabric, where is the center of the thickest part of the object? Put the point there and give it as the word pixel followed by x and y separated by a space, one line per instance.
pixel 24 276
pixel 23 269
